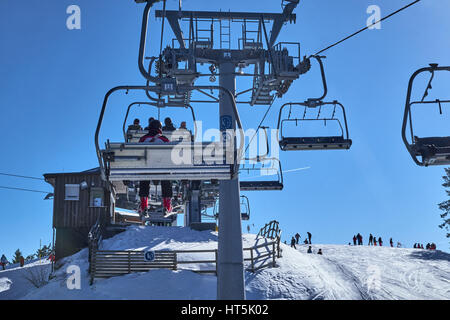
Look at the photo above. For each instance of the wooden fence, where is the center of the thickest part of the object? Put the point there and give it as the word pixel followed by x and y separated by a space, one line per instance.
pixel 110 263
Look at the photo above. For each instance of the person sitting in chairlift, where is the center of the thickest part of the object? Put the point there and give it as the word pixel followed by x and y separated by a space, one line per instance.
pixel 149 121
pixel 135 125
pixel 168 125
pixel 154 135
pixel 184 127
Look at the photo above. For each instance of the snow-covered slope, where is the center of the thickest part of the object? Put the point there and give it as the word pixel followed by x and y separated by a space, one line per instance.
pixel 342 272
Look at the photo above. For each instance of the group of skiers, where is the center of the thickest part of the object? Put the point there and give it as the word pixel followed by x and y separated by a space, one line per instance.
pixel 295 239
pixel 4 261
pixel 168 125
pixel 429 246
pixel 373 241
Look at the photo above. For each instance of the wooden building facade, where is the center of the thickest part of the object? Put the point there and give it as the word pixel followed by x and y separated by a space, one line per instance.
pixel 80 198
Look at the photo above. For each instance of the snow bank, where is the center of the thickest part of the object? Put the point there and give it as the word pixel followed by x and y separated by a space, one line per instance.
pixel 342 272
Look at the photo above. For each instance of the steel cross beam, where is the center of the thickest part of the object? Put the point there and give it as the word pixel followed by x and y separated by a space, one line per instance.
pixel 278 19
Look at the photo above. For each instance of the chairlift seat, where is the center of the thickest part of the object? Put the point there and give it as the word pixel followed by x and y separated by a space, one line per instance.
pixel 314 143
pixel 433 150
pixel 166 161
pixel 245 216
pixel 260 185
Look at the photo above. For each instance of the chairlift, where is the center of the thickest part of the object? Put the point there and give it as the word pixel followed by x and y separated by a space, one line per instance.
pixel 245 208
pixel 289 143
pixel 261 168
pixel 132 161
pixel 432 150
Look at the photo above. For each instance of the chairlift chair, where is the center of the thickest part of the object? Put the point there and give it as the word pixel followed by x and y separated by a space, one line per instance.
pixel 263 185
pixel 288 143
pixel 341 141
pixel 185 160
pixel 245 208
pixel 432 150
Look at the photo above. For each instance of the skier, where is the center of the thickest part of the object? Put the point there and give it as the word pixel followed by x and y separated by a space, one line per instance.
pixel 149 121
pixel 293 243
pixel 21 261
pixel 427 246
pixel 391 242
pixel 375 241
pixel 309 237
pixel 320 251
pixel 297 237
pixel 135 125
pixel 154 135
pixel 309 250
pixel 370 240
pixel 380 242
pixel 3 261
pixel 306 241
pixel 354 240
pixel 168 125
pixel 360 240
pixel 415 245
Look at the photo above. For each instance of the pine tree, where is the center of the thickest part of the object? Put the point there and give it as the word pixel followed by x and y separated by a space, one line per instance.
pixel 30 257
pixel 445 205
pixel 17 256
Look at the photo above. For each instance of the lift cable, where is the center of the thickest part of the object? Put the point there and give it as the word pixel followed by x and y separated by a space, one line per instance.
pixel 333 45
pixel 18 176
pixel 259 127
pixel 21 189
pixel 357 32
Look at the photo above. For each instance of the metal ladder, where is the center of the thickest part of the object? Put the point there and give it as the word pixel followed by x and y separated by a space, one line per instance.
pixel 225 33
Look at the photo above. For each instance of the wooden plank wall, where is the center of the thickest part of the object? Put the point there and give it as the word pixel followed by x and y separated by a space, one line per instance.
pixel 76 214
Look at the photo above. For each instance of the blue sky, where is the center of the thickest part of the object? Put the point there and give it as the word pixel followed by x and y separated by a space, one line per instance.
pixel 53 80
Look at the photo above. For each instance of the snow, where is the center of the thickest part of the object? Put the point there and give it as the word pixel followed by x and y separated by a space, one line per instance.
pixel 342 272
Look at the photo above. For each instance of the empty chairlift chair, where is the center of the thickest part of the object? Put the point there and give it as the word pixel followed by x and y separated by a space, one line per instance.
pixel 268 167
pixel 425 151
pixel 290 143
pixel 302 142
pixel 245 208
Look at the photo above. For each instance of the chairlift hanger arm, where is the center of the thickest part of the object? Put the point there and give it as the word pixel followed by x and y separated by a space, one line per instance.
pixel 407 113
pixel 324 80
pixel 143 41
